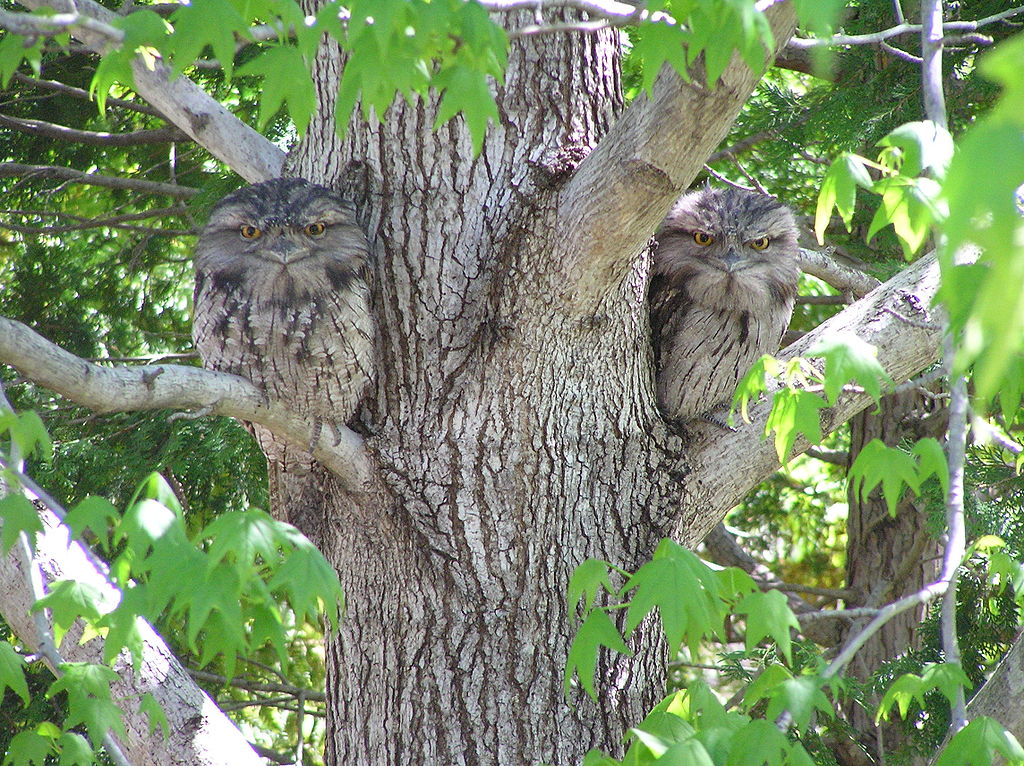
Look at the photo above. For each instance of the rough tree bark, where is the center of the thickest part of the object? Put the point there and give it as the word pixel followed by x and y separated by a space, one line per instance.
pixel 513 426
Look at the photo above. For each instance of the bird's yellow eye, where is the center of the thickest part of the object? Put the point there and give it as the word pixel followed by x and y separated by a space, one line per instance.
pixel 702 239
pixel 761 243
pixel 249 232
pixel 316 229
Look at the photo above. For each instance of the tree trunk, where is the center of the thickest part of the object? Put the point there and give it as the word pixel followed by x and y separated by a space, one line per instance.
pixel 888 557
pixel 513 437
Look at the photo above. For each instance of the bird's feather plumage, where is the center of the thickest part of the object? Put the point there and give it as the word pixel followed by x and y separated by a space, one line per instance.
pixel 722 291
pixel 282 298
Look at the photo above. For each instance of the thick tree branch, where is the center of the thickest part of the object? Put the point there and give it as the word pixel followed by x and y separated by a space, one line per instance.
pixel 199 733
pixel 903 350
pixel 16 170
pixel 184 103
pixel 123 389
pixel 622 190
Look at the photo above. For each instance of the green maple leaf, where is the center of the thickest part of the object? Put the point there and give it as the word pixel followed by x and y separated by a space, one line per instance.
pixel 848 358
pixel 465 91
pixel 685 591
pixel 979 742
pixel 310 584
pixel 28 748
pixel 657 43
pixel 802 697
pixel 94 513
pixel 220 595
pixel 155 713
pixel 28 432
pixel 891 467
pixel 244 537
pixel 286 79
pixel 18 515
pixel 839 189
pixel 596 631
pixel 924 147
pixel 223 636
pixel 67 601
pixel 764 686
pixel 768 615
pixel 794 411
pixel 145 34
pixel 122 633
pixel 588 579
pixel 932 461
pixel 204 23
pixel 75 750
pixel 758 743
pixel 910 205
pixel 87 687
pixel 12 672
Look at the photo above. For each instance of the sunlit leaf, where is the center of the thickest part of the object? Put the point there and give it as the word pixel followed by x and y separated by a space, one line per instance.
pixel 848 358
pixel 794 411
pixel 596 631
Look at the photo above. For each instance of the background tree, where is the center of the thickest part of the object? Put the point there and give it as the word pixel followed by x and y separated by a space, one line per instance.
pixel 512 434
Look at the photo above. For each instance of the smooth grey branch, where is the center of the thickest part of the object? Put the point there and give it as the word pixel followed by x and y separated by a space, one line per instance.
pixel 149 387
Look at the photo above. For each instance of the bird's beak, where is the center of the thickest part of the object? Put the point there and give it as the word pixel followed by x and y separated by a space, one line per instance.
pixel 284 250
pixel 732 259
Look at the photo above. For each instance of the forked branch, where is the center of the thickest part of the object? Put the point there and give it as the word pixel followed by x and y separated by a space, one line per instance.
pixel 622 190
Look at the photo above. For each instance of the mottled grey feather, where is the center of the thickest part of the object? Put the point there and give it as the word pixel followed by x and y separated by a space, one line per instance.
pixel 288 309
pixel 717 307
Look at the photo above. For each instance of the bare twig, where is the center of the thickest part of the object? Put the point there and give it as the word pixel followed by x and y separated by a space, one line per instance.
pixel 96 138
pixel 46 26
pixel 833 456
pixel 257 686
pixel 208 122
pixel 910 58
pixel 809 618
pixel 16 170
pixel 83 94
pixel 903 29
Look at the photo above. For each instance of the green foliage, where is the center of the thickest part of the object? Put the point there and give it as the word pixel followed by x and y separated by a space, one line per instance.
pixel 144 33
pixel 768 616
pixel 945 677
pixel 979 742
pixel 18 516
pixel 984 178
pixel 693 727
pixel 912 157
pixel 794 408
pixel 12 672
pixel 690 599
pixel 242 567
pixel 286 79
pixel 897 470
pixel 87 687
